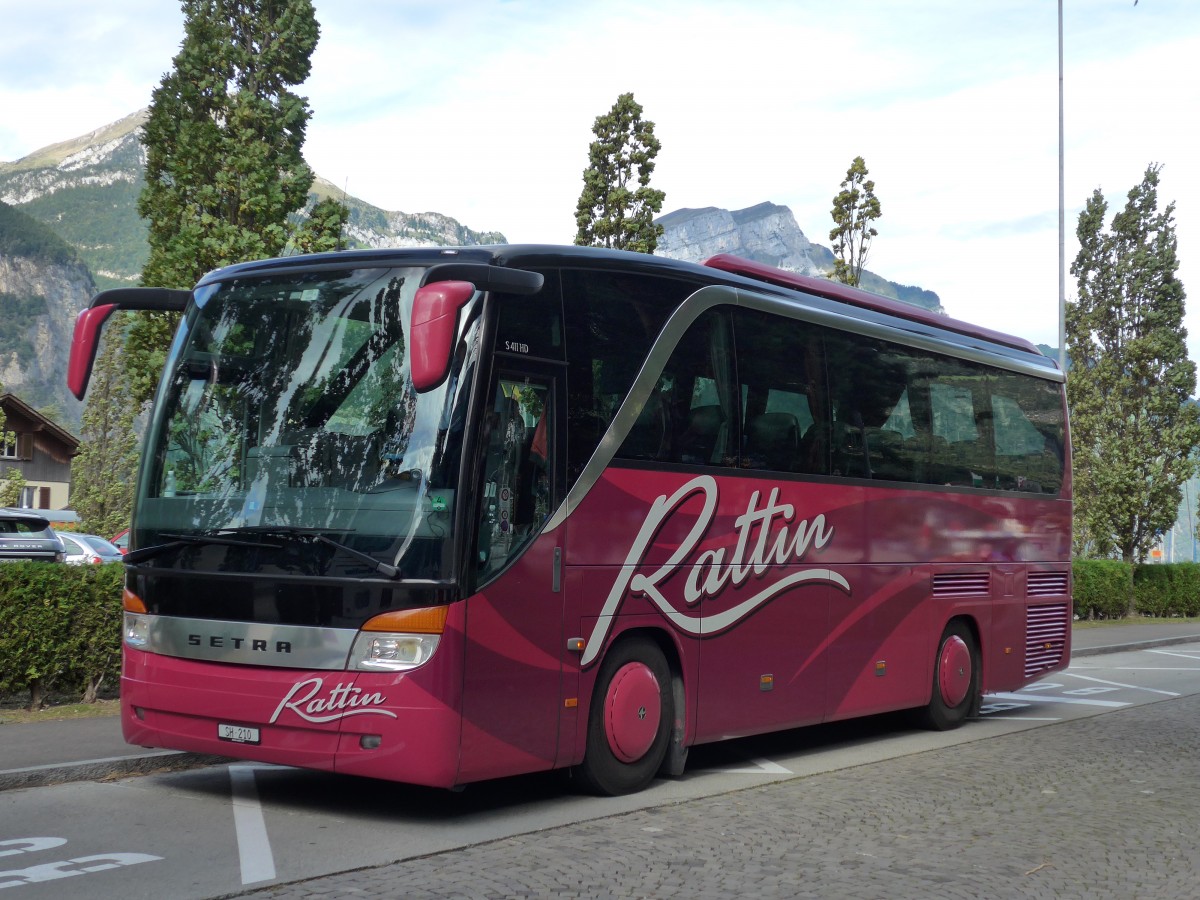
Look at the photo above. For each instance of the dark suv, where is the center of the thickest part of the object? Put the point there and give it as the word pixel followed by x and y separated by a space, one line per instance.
pixel 26 535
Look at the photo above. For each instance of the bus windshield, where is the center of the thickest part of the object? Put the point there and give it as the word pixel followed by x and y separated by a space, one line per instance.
pixel 287 436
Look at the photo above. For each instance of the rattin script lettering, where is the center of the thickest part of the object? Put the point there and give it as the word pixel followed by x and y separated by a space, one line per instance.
pixel 767 537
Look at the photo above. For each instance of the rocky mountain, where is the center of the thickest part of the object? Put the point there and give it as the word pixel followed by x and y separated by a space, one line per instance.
pixel 766 233
pixel 43 286
pixel 69 227
pixel 86 191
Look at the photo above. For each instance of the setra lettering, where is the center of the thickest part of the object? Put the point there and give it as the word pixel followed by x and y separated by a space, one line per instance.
pixel 221 642
pixel 766 537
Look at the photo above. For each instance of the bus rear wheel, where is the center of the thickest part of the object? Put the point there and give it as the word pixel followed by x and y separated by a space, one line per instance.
pixel 630 720
pixel 955 679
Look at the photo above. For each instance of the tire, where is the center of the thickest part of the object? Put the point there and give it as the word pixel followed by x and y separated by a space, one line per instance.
pixel 630 719
pixel 956 679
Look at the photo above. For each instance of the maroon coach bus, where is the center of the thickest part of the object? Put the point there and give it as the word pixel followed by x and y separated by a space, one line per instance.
pixel 443 515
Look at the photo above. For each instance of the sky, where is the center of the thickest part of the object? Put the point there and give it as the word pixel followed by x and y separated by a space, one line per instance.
pixel 483 110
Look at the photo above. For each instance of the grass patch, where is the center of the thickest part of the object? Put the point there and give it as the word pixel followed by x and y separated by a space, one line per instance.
pixel 14 714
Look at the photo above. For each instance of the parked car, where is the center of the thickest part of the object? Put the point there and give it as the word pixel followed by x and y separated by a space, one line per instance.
pixel 121 540
pixel 24 535
pixel 88 549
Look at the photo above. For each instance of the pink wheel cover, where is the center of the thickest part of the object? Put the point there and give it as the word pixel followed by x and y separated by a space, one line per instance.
pixel 632 711
pixel 954 671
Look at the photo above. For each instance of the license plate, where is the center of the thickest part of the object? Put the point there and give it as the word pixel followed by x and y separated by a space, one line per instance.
pixel 238 734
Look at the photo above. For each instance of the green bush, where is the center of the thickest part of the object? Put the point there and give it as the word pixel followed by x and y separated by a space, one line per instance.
pixel 1101 588
pixel 1187 588
pixel 1152 591
pixel 1167 590
pixel 62 629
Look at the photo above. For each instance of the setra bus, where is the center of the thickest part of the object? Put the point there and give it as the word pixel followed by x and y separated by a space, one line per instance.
pixel 445 515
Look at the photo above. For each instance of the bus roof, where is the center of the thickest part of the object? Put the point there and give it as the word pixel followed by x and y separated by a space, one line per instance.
pixel 833 290
pixel 722 269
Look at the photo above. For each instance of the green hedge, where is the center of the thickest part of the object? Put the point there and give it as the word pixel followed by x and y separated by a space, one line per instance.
pixel 1102 589
pixel 1167 590
pixel 61 629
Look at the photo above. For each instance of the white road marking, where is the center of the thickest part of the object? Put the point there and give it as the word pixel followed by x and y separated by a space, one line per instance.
pixel 69 868
pixel 1137 668
pixel 763 767
pixel 254 847
pixel 1133 687
pixel 994 718
pixel 1180 655
pixel 29 845
pixel 1050 698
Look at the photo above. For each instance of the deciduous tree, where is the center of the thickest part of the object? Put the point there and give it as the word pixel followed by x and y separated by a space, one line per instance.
pixel 854 209
pixel 612 212
pixel 1133 428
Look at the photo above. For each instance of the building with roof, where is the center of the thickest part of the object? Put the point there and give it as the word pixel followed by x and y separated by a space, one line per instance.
pixel 40 450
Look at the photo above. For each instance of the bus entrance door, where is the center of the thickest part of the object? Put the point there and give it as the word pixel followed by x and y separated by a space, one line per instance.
pixel 511 681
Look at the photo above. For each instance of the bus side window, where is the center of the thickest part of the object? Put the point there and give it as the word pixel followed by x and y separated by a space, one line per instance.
pixel 686 419
pixel 784 403
pixel 516 490
pixel 1030 436
pixel 612 319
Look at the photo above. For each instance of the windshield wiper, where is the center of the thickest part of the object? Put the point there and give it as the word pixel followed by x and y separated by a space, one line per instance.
pixel 320 535
pixel 226 537
pixel 175 541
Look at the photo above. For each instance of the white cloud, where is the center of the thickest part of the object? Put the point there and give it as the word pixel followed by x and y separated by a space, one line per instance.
pixel 482 109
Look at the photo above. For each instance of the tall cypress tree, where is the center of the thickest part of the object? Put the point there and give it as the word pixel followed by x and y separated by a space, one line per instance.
pixel 612 212
pixel 854 209
pixel 1133 427
pixel 224 169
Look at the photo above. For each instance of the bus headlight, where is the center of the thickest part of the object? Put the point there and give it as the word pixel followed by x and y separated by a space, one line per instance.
pixel 392 652
pixel 398 640
pixel 137 630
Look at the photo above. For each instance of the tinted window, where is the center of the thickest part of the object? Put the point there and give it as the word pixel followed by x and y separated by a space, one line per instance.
pixel 1030 433
pixel 612 319
pixel 781 372
pixel 531 325
pixel 873 434
pixel 691 416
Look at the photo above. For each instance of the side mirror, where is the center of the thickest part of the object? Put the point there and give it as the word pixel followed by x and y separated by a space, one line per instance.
pixel 83 347
pixel 89 322
pixel 434 326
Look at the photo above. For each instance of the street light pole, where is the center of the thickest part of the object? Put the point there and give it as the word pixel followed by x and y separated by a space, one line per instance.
pixel 1062 216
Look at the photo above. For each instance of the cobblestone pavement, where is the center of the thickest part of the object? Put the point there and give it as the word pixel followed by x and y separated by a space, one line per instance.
pixel 1103 807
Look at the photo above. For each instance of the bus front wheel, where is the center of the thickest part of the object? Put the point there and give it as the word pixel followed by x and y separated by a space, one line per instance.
pixel 955 679
pixel 630 720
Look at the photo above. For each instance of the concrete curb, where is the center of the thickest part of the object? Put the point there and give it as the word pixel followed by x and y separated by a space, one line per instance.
pixel 103 769
pixel 1133 645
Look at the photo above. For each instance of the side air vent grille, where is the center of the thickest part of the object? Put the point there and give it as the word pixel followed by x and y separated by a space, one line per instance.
pixel 961 584
pixel 1045 637
pixel 1046 584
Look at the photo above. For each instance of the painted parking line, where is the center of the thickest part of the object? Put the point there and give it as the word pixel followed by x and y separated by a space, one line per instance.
pixel 1176 653
pixel 1058 698
pixel 63 868
pixel 1118 684
pixel 254 847
pixel 762 767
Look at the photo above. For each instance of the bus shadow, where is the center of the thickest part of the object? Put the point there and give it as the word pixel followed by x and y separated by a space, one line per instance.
pixel 313 792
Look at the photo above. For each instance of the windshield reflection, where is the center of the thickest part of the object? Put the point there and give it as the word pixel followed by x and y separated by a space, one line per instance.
pixel 289 404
